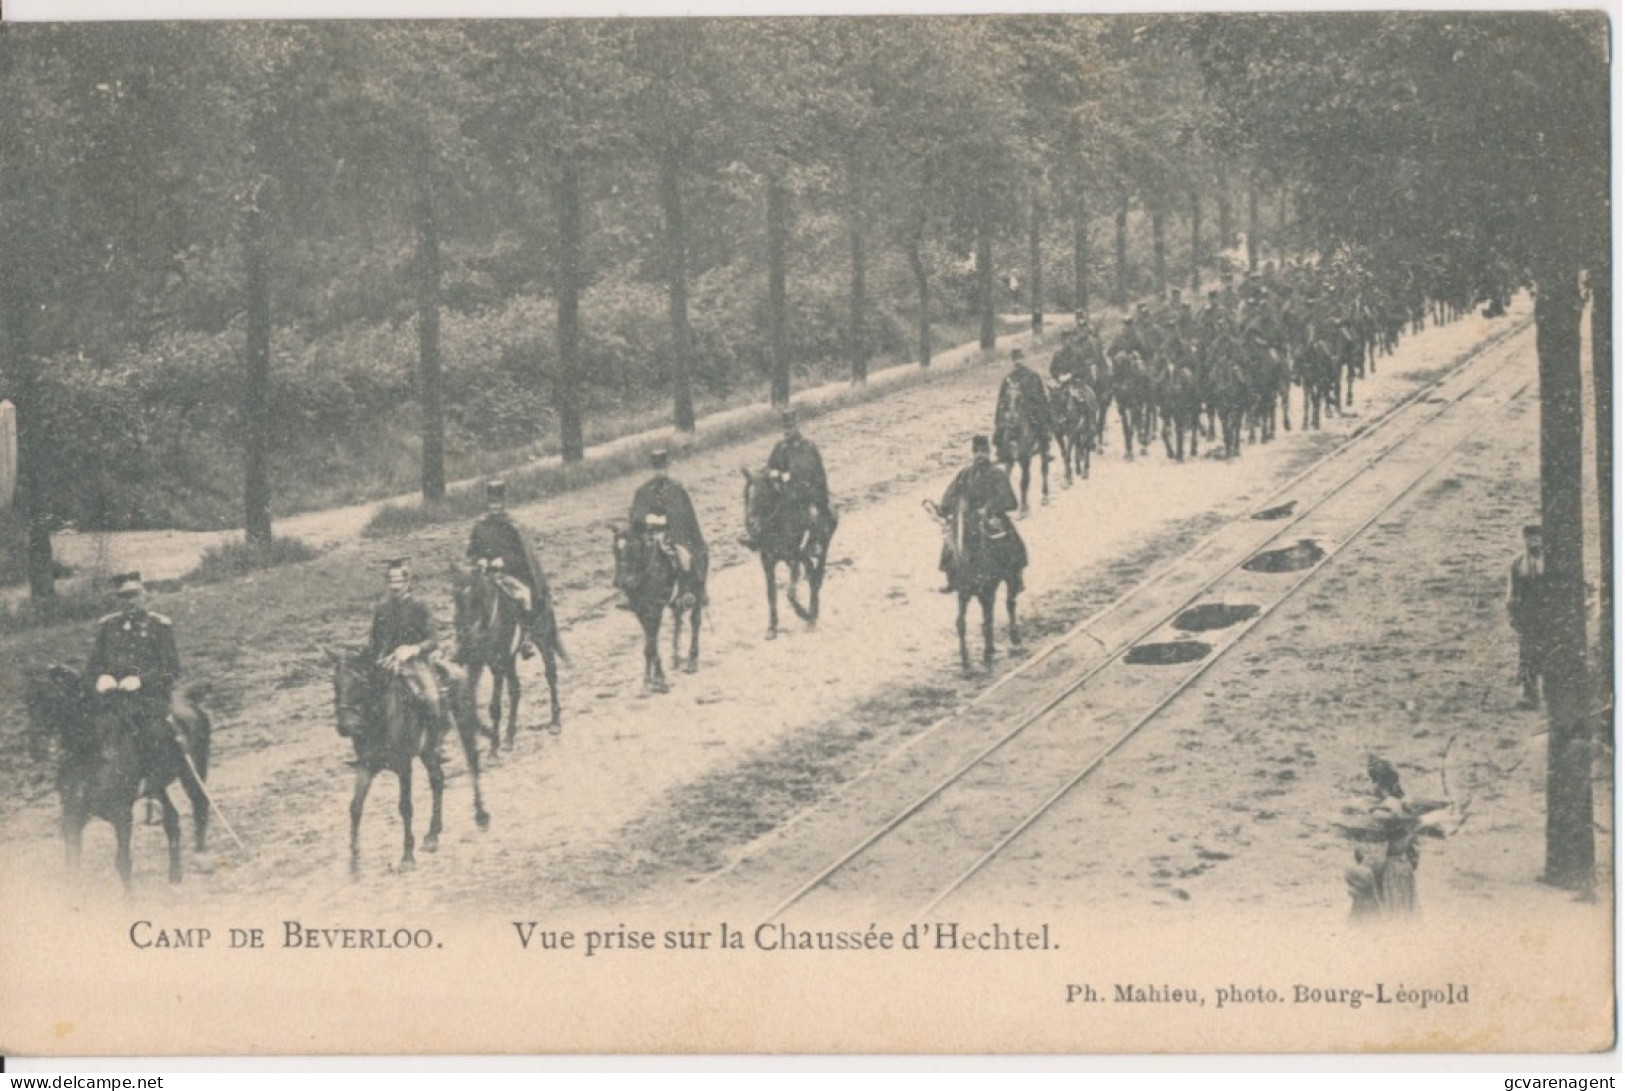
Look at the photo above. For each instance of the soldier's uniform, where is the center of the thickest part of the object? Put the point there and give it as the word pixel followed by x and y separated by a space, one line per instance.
pixel 663 508
pixel 134 653
pixel 498 543
pixel 1526 608
pixel 980 490
pixel 1023 399
pixel 401 621
pixel 797 460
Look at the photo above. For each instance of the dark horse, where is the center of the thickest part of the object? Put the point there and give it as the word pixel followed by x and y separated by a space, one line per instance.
pixel 786 533
pixel 1024 437
pixel 1077 413
pixel 111 757
pixel 986 553
pixel 389 726
pixel 488 639
pixel 652 581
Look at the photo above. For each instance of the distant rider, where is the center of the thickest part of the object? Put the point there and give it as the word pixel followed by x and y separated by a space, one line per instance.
pixel 504 550
pixel 979 491
pixel 663 509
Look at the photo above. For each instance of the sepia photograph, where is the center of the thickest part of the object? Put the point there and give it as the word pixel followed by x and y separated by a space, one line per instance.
pixel 965 534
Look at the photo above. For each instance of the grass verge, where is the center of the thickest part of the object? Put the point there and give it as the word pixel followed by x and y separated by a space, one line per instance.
pixel 234 559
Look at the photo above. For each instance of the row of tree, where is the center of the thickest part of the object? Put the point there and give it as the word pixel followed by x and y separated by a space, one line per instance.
pixel 256 177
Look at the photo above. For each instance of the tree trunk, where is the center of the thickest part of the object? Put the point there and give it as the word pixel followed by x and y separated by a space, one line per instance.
pixel 671 199
pixel 1602 379
pixel 1196 244
pixel 257 377
pixel 1035 249
pixel 984 278
pixel 857 335
pixel 31 451
pixel 1159 253
pixel 778 245
pixel 1252 226
pixel 1570 841
pixel 1226 225
pixel 429 371
pixel 922 288
pixel 567 391
pixel 1080 259
pixel 1120 295
pixel 1280 229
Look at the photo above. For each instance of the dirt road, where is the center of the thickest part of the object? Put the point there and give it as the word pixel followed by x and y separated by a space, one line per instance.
pixel 642 795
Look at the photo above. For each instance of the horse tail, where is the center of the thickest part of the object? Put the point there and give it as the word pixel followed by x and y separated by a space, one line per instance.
pixel 550 637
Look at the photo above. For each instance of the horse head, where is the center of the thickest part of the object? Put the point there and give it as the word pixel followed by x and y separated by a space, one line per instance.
pixel 58 705
pixel 352 690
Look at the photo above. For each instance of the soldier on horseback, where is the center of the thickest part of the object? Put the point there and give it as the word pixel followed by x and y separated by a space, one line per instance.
pixel 798 468
pixel 1021 422
pixel 402 640
pixel 134 654
pixel 981 491
pixel 662 509
pixel 498 545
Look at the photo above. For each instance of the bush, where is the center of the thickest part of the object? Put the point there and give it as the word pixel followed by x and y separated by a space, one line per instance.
pixel 59 609
pixel 236 559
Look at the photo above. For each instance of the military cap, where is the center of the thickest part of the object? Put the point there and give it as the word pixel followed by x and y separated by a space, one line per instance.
pixel 787 418
pixel 659 458
pixel 496 491
pixel 127 583
pixel 1532 531
pixel 980 445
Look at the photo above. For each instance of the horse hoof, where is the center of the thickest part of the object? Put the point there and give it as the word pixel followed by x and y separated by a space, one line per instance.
pixel 482 819
pixel 691 667
pixel 431 844
pixel 554 726
pixel 408 864
pixel 772 634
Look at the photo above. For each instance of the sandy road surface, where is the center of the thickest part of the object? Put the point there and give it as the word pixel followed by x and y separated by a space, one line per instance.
pixel 642 793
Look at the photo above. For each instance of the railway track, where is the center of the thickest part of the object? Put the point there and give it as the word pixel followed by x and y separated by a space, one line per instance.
pixel 1064 712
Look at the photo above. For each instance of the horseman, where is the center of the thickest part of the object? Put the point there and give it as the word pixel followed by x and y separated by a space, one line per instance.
pixel 662 509
pixel 1023 403
pixel 134 654
pixel 798 468
pixel 981 491
pixel 402 640
pixel 498 546
pixel 1080 357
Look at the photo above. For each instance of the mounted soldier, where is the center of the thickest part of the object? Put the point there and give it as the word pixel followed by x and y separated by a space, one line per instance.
pixel 498 546
pixel 797 467
pixel 662 509
pixel 402 640
pixel 1022 423
pixel 979 491
pixel 134 654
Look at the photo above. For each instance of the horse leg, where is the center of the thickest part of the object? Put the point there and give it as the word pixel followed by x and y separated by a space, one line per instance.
pixel 437 792
pixel 964 651
pixel 986 598
pixel 676 634
pixel 1026 481
pixel 363 781
pixel 1010 609
pixel 513 700
pixel 1043 473
pixel 1128 432
pixel 475 670
pixel 550 667
pixel 694 636
pixel 172 834
pixel 199 799
pixel 493 709
pixel 462 712
pixel 403 774
pixel 121 857
pixel 768 566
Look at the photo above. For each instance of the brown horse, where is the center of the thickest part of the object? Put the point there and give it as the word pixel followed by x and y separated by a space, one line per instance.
pixel 653 583
pixel 488 639
pixel 116 751
pixel 786 533
pixel 986 552
pixel 390 725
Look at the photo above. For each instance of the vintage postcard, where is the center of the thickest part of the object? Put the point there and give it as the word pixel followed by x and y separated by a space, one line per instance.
pixel 1060 533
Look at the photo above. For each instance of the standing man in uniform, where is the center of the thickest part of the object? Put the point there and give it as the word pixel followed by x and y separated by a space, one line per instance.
pixel 134 653
pixel 402 638
pixel 663 508
pixel 499 545
pixel 1526 608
